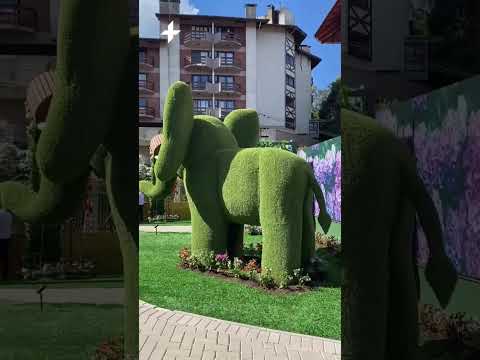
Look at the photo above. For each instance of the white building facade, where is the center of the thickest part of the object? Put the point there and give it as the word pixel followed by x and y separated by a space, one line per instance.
pixel 232 63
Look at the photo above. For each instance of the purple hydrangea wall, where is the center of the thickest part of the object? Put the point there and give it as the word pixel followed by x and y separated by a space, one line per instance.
pixel 445 126
pixel 326 161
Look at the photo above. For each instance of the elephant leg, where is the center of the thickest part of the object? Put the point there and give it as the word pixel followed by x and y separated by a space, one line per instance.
pixel 308 229
pixel 209 233
pixel 281 250
pixel 402 339
pixel 235 240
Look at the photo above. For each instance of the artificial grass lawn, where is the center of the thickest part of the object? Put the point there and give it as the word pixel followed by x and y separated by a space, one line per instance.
pixel 63 331
pixel 315 312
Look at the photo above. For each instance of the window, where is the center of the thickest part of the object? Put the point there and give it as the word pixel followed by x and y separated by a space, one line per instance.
pixel 290 81
pixel 142 56
pixel 201 106
pixel 142 103
pixel 142 80
pixel 199 32
pixel 290 62
pixel 199 82
pixel 224 79
pixel 226 58
pixel 225 104
pixel 290 102
pixel 200 57
pixel 223 29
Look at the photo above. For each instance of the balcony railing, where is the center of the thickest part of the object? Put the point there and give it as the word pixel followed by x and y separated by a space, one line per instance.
pixel 146 61
pixel 227 39
pixel 197 38
pixel 217 112
pixel 229 87
pixel 146 112
pixel 146 85
pixel 19 17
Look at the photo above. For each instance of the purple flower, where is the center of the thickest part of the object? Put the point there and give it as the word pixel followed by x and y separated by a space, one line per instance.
pixel 221 258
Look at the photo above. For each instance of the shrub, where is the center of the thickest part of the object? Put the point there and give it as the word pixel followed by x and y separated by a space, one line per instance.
pixel 266 278
pixel 207 260
pixel 221 261
pixel 184 257
pixel 251 266
pixel 253 230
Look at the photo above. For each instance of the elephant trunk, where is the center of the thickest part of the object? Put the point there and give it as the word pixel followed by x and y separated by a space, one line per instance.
pixel 177 129
pixel 91 58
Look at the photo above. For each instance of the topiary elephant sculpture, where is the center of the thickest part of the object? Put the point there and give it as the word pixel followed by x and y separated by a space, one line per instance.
pixel 92 115
pixel 381 192
pixel 229 184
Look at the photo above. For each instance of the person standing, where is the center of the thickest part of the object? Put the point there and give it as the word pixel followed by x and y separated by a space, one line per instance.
pixel 6 220
pixel 141 203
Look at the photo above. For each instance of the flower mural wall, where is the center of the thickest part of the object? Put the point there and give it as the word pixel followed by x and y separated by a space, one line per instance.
pixel 445 128
pixel 326 161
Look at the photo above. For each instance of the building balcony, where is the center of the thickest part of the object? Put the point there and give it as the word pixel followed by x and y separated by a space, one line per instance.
pixel 227 41
pixel 146 63
pixel 197 39
pixel 18 19
pixel 146 87
pixel 146 114
pixel 195 64
pixel 219 113
pixel 229 89
pixel 223 67
pixel 202 88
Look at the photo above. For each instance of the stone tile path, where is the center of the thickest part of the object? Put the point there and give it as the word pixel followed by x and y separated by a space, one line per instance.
pixel 176 335
pixel 166 228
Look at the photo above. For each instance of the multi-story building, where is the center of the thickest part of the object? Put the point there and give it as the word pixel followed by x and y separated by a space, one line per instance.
pixel 245 62
pixel 27 48
pixel 391 51
pixel 148 93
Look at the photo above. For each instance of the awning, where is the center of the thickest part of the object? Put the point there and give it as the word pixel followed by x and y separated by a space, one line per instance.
pixel 155 143
pixel 330 30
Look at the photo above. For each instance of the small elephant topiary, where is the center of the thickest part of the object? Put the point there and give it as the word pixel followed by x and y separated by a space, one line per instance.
pixel 381 194
pixel 230 183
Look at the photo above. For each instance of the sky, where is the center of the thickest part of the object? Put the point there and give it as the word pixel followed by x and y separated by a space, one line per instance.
pixel 309 14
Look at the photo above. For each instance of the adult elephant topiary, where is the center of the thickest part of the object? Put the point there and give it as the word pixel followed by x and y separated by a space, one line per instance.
pixel 381 193
pixel 229 185
pixel 92 115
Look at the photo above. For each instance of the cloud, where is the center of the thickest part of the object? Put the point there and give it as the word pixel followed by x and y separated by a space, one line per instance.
pixel 148 21
pixel 187 7
pixel 149 27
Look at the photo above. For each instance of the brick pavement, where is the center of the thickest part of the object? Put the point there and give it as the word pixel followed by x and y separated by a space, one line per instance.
pixel 176 335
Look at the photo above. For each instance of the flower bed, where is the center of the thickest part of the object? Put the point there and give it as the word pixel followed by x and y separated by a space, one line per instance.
pixel 248 267
pixel 449 336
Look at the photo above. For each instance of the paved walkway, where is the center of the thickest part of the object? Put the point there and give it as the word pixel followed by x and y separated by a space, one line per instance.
pixel 176 335
pixel 63 296
pixel 166 228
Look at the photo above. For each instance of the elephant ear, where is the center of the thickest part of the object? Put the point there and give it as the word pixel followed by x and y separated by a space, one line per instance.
pixel 177 128
pixel 245 126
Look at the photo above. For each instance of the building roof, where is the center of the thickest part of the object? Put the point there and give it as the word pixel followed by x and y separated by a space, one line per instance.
pixel 330 30
pixel 315 60
pixel 208 17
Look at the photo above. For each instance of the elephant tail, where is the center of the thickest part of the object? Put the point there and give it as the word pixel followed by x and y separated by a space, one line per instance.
pixel 440 272
pixel 324 218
